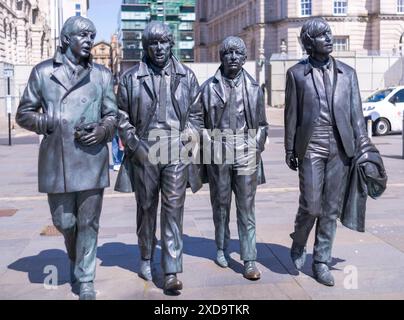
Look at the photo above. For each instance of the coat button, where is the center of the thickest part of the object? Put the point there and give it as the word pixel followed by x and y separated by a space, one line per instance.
pixel 64 121
pixel 64 101
pixel 83 100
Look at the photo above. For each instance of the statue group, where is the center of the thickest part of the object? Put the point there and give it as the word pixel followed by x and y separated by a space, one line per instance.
pixel 71 102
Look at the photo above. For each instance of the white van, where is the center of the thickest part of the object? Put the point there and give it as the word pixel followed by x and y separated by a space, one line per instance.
pixel 385 108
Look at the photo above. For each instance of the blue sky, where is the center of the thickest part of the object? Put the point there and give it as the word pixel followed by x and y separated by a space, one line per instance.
pixel 104 14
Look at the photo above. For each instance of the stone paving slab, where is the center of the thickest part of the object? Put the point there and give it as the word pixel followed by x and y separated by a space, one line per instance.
pixel 377 254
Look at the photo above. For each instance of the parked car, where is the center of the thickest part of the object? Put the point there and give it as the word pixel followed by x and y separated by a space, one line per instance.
pixel 385 108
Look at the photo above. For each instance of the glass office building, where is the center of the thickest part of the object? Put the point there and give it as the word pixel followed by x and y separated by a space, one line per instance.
pixel 135 14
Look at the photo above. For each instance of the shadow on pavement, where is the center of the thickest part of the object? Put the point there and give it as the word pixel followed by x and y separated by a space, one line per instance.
pixel 206 248
pixel 127 256
pixel 272 256
pixel 39 267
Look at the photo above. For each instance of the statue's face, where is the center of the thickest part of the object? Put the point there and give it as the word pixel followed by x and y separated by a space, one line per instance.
pixel 159 51
pixel 81 43
pixel 323 43
pixel 232 61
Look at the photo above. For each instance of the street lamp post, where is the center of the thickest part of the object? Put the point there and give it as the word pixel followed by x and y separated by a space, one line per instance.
pixel 8 73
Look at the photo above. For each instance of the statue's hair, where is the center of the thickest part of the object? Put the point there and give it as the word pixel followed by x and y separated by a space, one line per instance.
pixel 310 30
pixel 234 43
pixel 156 30
pixel 73 25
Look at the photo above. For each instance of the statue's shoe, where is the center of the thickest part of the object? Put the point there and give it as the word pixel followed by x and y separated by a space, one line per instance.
pixel 221 259
pixel 251 271
pixel 298 255
pixel 322 274
pixel 145 270
pixel 87 291
pixel 171 283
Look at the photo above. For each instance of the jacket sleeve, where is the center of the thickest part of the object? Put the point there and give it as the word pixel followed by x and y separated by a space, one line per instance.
pixel 357 119
pixel 126 130
pixel 28 114
pixel 263 127
pixel 195 112
pixel 109 112
pixel 290 112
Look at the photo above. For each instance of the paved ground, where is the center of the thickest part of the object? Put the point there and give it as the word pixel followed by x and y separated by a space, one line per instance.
pixel 375 257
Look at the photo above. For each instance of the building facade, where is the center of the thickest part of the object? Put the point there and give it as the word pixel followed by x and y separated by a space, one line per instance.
pixel 216 20
pixel 102 54
pixel 116 56
pixel 360 27
pixel 24 31
pixel 74 8
pixel 25 40
pixel 60 11
pixel 135 14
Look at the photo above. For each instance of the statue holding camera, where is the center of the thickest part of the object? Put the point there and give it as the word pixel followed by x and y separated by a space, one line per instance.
pixel 71 102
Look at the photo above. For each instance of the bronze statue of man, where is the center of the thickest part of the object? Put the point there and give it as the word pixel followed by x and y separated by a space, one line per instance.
pixel 234 112
pixel 70 101
pixel 157 98
pixel 324 126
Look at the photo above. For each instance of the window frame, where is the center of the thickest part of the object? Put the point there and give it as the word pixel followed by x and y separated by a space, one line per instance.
pixel 346 38
pixel 340 7
pixel 308 5
pixel 400 6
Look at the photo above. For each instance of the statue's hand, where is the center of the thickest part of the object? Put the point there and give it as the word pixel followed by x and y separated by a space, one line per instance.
pixel 291 160
pixel 96 136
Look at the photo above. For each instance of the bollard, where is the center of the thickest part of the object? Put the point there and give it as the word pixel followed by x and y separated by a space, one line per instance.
pixel 370 129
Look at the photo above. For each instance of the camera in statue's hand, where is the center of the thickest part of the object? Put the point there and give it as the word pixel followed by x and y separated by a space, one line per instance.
pixel 83 128
pixel 89 134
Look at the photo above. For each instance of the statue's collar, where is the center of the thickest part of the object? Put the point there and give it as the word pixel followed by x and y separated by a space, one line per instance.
pixel 59 58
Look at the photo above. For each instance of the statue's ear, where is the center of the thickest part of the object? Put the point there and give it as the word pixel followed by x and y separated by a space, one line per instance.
pixel 65 41
pixel 244 59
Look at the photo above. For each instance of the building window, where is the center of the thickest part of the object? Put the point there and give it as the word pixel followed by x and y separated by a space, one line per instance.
pixel 340 7
pixel 34 15
pixel 78 9
pixel 305 6
pixel 341 43
pixel 400 6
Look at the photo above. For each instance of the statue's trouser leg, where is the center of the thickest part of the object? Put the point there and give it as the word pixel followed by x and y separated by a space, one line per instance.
pixel 244 187
pixel 220 176
pixel 147 186
pixel 322 175
pixel 63 210
pixel 76 215
pixel 173 177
